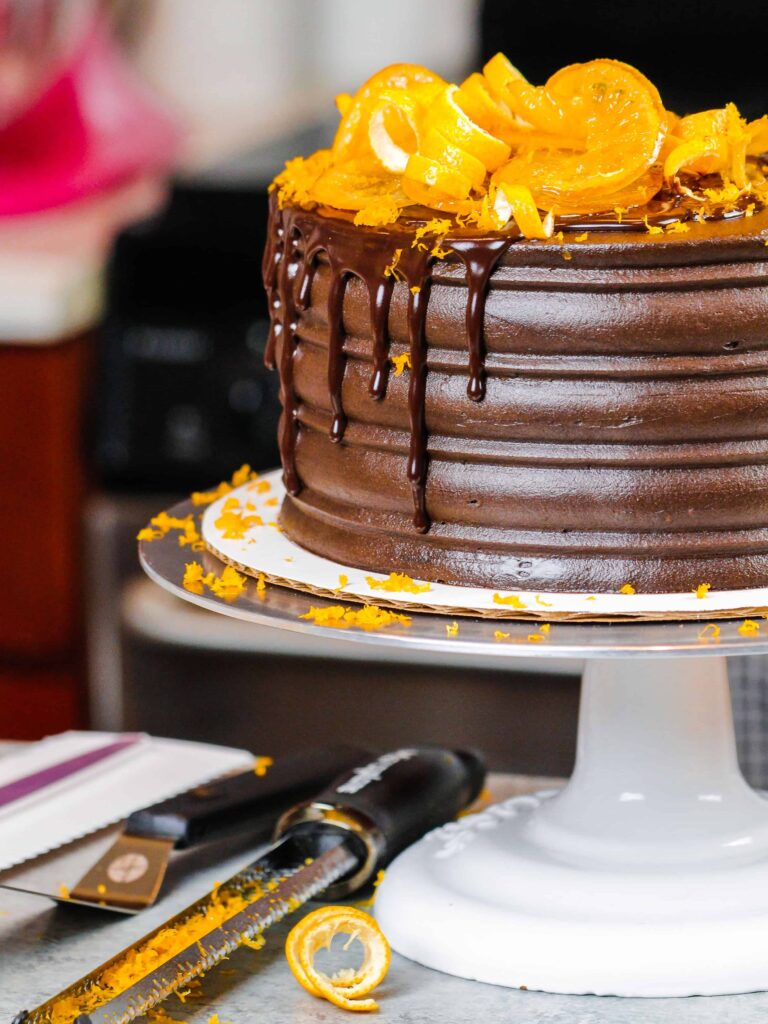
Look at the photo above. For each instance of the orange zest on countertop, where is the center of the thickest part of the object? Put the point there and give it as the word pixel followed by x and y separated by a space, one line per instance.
pixel 398 582
pixel 370 617
pixel 348 987
pixel 499 635
pixel 452 628
pixel 702 590
pixel 496 150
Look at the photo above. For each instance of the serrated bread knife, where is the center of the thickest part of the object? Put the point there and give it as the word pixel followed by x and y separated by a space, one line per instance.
pixel 332 846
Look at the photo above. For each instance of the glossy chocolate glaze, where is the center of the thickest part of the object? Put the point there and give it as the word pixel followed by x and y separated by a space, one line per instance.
pixel 577 415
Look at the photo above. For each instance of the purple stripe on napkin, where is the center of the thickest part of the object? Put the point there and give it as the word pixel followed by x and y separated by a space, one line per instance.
pixel 29 784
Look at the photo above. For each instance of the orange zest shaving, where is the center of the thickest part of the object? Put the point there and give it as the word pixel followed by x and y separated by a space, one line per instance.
pixel 262 765
pixel 702 590
pixel 401 363
pixel 234 525
pixel 230 585
pixel 153 952
pixel 367 904
pixel 397 582
pixel 499 635
pixel 749 627
pixel 452 628
pixel 710 632
pixel 627 589
pixel 512 600
pixel 162 524
pixel 369 618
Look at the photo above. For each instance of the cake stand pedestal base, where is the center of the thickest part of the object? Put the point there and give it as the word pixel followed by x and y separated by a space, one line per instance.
pixel 647 875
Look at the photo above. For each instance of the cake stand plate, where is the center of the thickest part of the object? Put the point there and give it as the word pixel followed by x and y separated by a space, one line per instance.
pixel 646 875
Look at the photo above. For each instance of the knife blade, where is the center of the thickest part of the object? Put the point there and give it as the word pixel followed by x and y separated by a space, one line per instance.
pixel 331 845
pixel 128 876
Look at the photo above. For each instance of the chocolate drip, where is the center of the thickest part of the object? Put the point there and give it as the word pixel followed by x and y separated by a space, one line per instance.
pixel 296 243
pixel 380 298
pixel 417 392
pixel 480 262
pixel 273 253
pixel 289 426
pixel 336 358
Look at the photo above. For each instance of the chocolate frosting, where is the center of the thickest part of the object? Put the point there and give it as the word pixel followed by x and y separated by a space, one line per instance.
pixel 578 413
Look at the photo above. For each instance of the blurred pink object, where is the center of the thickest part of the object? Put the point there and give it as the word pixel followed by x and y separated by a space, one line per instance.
pixel 89 125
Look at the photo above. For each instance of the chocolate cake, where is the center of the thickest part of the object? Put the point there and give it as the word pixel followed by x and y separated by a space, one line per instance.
pixel 571 413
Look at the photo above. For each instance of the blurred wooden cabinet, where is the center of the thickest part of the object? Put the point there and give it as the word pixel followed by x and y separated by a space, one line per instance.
pixel 42 389
pixel 51 297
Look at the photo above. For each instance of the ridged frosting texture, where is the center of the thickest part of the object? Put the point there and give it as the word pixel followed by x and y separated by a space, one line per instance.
pixel 576 415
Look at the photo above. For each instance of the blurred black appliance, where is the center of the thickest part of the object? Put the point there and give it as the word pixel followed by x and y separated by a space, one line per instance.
pixel 183 397
pixel 700 53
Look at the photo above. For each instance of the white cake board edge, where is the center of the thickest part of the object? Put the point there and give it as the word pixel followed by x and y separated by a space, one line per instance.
pixel 264 549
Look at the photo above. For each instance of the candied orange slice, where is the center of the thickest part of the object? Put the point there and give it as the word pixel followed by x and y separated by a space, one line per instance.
pixel 476 100
pixel 393 128
pixel 316 931
pixel 620 116
pixel 449 119
pixel 435 146
pixel 710 142
pixel 351 140
pixel 704 155
pixel 639 193
pixel 533 104
pixel 356 185
pixel 515 202
pixel 447 181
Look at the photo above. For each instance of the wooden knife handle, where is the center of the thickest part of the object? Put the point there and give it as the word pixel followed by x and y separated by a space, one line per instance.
pixel 246 802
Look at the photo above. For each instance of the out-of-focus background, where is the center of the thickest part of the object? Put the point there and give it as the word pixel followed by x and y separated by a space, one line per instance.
pixel 137 140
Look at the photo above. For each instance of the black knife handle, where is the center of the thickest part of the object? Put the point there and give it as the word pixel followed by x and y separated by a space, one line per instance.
pixel 390 802
pixel 246 802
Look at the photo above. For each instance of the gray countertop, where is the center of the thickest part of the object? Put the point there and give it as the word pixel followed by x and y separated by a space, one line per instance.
pixel 44 947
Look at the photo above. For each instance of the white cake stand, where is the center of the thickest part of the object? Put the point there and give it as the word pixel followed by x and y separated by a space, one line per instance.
pixel 646 875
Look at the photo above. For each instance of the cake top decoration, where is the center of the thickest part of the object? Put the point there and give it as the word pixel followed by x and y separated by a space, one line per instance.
pixel 497 151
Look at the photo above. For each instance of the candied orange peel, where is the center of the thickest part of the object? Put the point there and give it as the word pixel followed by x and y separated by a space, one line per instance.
pixel 347 988
pixel 496 150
